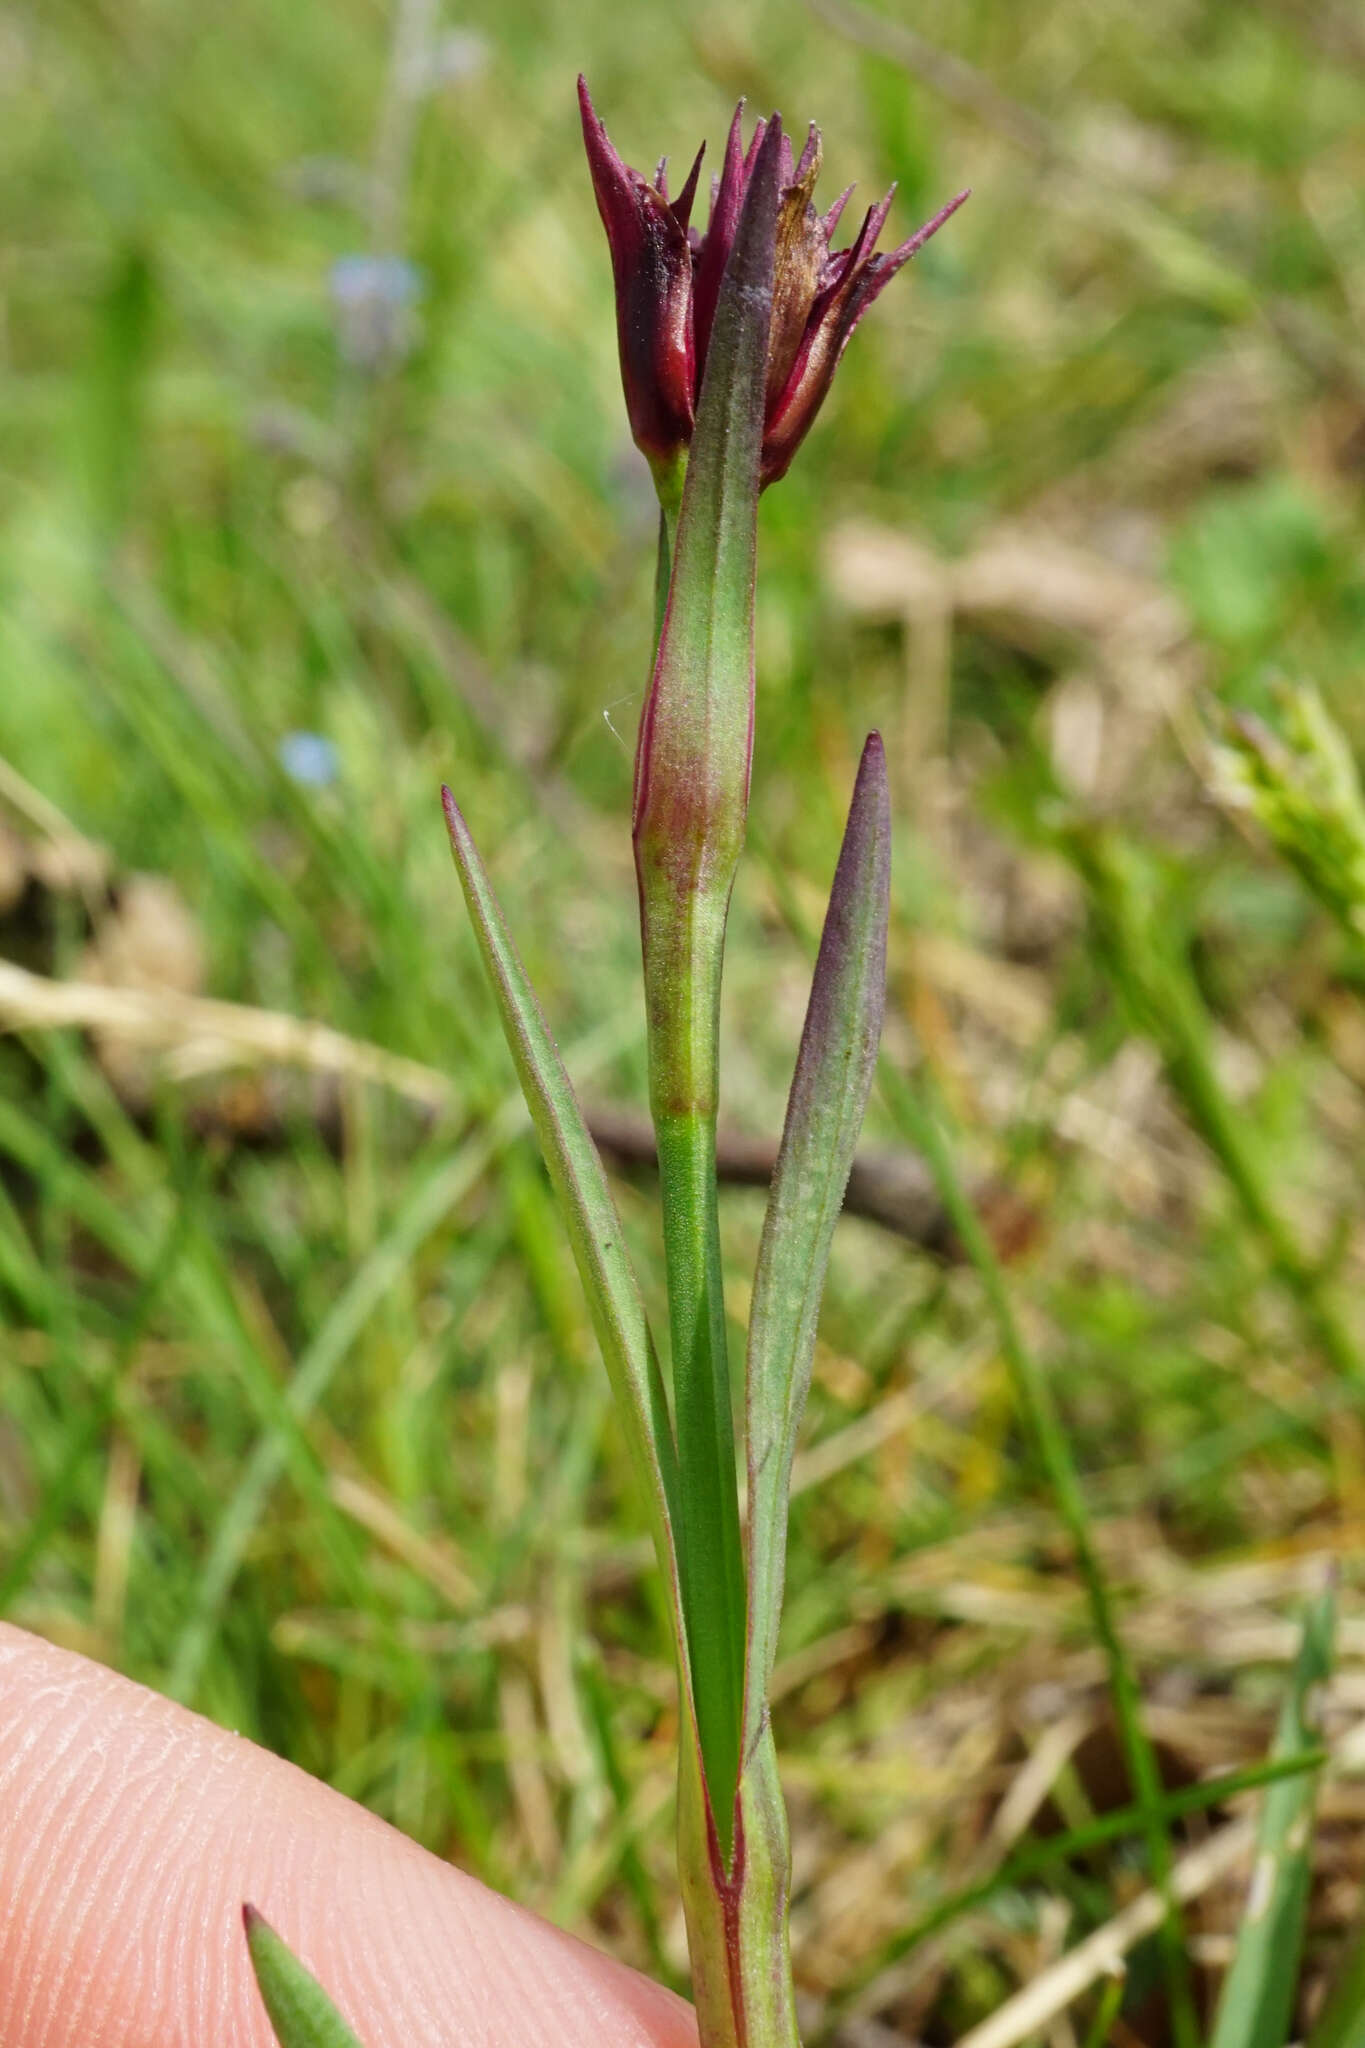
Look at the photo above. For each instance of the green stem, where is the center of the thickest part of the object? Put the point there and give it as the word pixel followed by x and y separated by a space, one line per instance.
pixel 662 570
pixel 710 1555
pixel 682 985
pixel 663 567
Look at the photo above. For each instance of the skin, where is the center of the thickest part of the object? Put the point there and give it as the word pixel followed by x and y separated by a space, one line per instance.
pixel 131 1831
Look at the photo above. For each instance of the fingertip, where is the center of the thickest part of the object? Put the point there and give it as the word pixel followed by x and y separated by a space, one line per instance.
pixel 139 1840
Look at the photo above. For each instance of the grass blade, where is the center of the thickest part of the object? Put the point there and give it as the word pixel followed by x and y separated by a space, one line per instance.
pixel 1342 2021
pixel 1043 1857
pixel 829 1092
pixel 301 2013
pixel 585 1199
pixel 1106 2012
pixel 923 1120
pixel 1257 2000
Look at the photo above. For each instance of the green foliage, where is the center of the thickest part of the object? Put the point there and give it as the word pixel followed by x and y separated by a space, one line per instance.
pixel 1250 561
pixel 1298 780
pixel 1256 2007
pixel 1342 2021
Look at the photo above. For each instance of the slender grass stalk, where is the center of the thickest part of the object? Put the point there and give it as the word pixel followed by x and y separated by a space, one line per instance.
pixel 1342 2020
pixel 922 1117
pixel 1256 2006
pixel 1042 1858
pixel 1106 2012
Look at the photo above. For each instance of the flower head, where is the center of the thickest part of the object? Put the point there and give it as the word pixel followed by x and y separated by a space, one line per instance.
pixel 668 274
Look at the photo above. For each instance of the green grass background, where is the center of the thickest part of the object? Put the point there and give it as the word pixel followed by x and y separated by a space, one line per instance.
pixel 1146 336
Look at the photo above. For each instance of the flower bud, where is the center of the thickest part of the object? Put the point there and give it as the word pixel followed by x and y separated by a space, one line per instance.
pixel 668 276
pixel 651 262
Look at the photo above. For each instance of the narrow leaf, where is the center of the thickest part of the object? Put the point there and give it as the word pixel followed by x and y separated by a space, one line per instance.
pixel 824 1115
pixel 1107 2010
pixel 1257 2001
pixel 301 2013
pixel 1342 2023
pixel 576 1172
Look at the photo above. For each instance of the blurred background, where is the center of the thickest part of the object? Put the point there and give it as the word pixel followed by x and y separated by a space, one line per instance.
pixel 315 491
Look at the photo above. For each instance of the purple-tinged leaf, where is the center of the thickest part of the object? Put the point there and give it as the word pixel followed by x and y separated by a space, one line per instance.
pixel 824 1115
